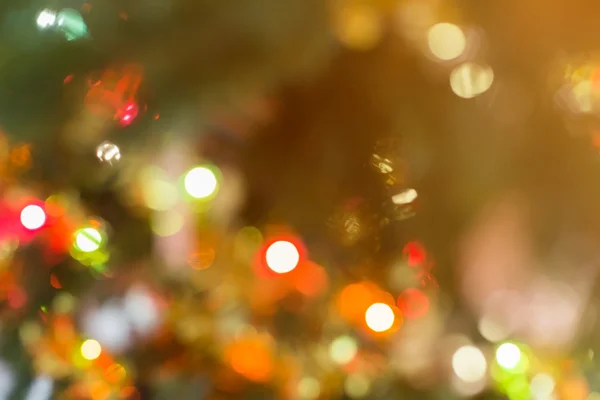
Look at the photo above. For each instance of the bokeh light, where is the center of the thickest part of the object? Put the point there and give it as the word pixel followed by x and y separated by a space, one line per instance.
pixel 309 388
pixel 343 350
pixel 469 80
pixel 542 386
pixel 508 355
pixel 446 41
pixel 282 256
pixel 469 364
pixel 108 152
pixel 379 317
pixel 33 217
pixel 201 182
pixel 46 19
pixel 91 349
pixel 88 240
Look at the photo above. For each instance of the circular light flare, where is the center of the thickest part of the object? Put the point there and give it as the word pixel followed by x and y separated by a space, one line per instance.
pixel 91 349
pixel 33 217
pixel 343 350
pixel 508 355
pixel 469 364
pixel 469 80
pixel 282 256
pixel 446 41
pixel 379 317
pixel 88 240
pixel 201 182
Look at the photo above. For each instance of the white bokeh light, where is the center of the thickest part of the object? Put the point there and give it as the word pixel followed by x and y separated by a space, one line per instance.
pixel 46 19
pixel 88 240
pixel 200 182
pixel 110 326
pixel 282 257
pixel 469 364
pixel 508 355
pixel 446 41
pixel 379 317
pixel 33 217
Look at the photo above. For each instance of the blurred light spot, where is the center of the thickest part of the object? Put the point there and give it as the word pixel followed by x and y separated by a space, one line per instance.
pixel 108 152
pixel 309 388
pixel 142 310
pixel 250 358
pixel 357 386
pixel 508 355
pixel 40 389
pixel 282 257
pixel 542 387
pixel 129 113
pixel 469 364
pixel 159 195
pixel 115 373
pixel 7 380
pixel 379 317
pixel 201 182
pixel 167 223
pixel 88 240
pixel 343 350
pixel 594 396
pixel 491 330
pixel 359 27
pixel 63 303
pixel 415 253
pixel 91 349
pixel 33 217
pixel 469 80
pixel 446 41
pixel 46 19
pixel 110 326
pixel 413 303
pixel 405 197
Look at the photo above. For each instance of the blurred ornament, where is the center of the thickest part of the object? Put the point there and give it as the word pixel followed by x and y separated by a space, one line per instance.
pixel 353 223
pixel 71 24
pixel 386 160
pixel 113 93
pixel 108 152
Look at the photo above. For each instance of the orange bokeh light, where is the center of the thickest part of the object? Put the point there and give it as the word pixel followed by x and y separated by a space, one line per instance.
pixel 251 358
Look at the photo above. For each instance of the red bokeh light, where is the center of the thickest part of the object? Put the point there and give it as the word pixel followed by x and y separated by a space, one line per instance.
pixel 415 254
pixel 413 303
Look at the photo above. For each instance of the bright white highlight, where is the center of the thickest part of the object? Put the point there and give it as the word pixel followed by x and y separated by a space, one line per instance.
pixel 33 217
pixel 379 317
pixel 282 257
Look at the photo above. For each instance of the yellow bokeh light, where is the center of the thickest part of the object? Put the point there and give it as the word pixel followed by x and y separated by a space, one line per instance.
pixel 359 27
pixel 469 80
pixel 343 350
pixel 282 257
pixel 201 182
pixel 446 41
pixel 469 364
pixel 91 349
pixel 88 240
pixel 379 317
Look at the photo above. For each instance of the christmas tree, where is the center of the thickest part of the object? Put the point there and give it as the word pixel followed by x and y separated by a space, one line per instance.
pixel 300 199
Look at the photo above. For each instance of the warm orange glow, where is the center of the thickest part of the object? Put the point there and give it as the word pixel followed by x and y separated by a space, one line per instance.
pixel 251 358
pixel 413 303
pixel 355 299
pixel 311 279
